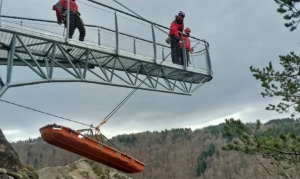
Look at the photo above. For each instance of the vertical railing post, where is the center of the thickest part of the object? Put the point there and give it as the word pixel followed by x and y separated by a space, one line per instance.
pixel 183 52
pixel 154 43
pixel 99 36
pixel 208 64
pixel 163 54
pixel 68 21
pixel 117 32
pixel 64 32
pixel 0 11
pixel 134 46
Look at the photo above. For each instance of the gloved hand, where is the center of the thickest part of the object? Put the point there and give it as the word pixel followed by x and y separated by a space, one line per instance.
pixel 59 22
pixel 168 40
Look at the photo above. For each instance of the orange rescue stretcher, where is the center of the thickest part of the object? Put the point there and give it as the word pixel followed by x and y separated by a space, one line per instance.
pixel 71 140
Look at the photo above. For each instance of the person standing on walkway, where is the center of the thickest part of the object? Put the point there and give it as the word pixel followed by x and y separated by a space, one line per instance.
pixel 75 20
pixel 187 45
pixel 174 36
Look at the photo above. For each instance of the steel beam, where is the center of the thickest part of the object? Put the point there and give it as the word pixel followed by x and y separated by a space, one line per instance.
pixel 42 63
pixel 10 58
pixel 35 82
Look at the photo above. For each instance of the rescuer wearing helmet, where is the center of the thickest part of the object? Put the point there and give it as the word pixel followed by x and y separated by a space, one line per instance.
pixel 187 45
pixel 75 20
pixel 176 26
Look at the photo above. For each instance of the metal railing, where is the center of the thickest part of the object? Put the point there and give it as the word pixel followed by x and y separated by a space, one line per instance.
pixel 114 30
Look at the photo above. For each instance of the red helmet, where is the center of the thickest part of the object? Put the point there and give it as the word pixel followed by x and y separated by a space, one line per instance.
pixel 187 30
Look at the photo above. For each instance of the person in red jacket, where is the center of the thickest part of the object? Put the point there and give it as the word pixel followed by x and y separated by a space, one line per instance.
pixel 75 20
pixel 187 45
pixel 174 36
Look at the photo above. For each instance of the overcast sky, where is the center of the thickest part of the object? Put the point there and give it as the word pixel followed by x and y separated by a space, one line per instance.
pixel 240 33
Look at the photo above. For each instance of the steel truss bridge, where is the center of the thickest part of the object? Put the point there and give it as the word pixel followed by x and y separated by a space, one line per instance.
pixel 94 61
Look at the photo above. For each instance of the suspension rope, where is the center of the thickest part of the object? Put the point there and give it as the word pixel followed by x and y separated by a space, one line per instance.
pixel 58 117
pixel 124 100
pixel 45 113
pixel 138 15
pixel 120 104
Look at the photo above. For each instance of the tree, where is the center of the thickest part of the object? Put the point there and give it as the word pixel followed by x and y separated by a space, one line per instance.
pixel 279 150
pixel 36 163
pixel 284 84
pixel 202 165
pixel 288 7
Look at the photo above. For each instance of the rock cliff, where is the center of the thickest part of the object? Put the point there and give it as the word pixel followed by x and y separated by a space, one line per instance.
pixel 10 164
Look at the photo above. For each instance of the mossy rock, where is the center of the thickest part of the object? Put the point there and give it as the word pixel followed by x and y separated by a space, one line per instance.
pixel 5 176
pixel 28 168
pixel 2 171
pixel 33 175
pixel 119 176
pixel 29 172
pixel 15 175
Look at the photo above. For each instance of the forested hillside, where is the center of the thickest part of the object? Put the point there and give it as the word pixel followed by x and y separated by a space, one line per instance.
pixel 177 153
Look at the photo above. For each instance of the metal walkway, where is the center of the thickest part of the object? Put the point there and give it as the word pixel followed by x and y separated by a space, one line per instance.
pixel 96 62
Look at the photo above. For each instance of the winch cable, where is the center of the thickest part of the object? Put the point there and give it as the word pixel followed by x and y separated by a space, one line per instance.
pixel 45 113
pixel 58 117
pixel 137 15
pixel 121 103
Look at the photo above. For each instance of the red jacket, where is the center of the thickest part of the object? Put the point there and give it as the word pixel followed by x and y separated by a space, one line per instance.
pixel 62 6
pixel 187 43
pixel 175 27
pixel 73 5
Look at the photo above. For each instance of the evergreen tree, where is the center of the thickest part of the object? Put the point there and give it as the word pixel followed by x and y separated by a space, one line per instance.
pixel 288 7
pixel 280 149
pixel 284 84
pixel 36 163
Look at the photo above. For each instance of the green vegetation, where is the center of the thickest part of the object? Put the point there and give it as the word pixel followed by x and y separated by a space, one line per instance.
pixel 279 147
pixel 127 139
pixel 183 133
pixel 202 165
pixel 284 84
pixel 288 7
pixel 280 144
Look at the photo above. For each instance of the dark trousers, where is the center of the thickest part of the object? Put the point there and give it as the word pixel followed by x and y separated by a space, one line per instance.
pixel 187 57
pixel 75 22
pixel 175 51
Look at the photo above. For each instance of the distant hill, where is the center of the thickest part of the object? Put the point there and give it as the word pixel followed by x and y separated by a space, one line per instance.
pixel 176 154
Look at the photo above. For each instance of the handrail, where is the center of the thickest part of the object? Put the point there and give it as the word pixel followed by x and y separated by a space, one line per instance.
pixel 49 21
pixel 109 7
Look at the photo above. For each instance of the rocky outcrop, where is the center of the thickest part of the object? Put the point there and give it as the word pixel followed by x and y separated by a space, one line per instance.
pixel 10 164
pixel 81 169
